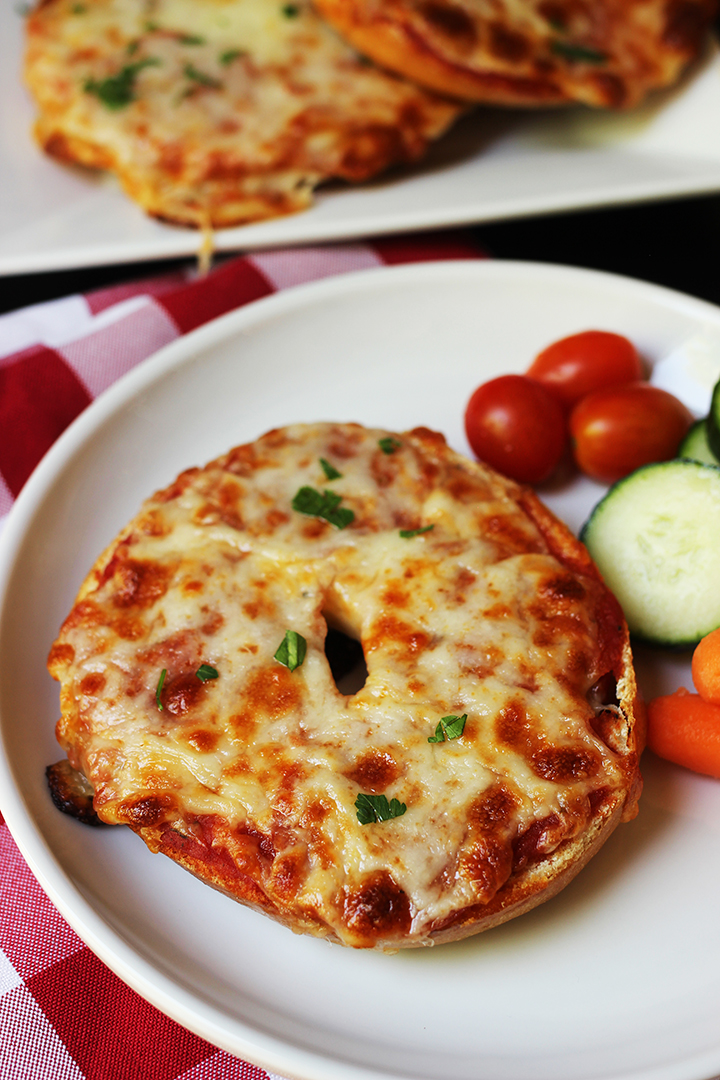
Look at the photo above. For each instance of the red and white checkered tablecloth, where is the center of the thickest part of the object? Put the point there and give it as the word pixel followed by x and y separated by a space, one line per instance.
pixel 63 1014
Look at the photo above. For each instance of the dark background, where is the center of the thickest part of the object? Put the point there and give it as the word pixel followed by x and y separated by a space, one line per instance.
pixel 674 243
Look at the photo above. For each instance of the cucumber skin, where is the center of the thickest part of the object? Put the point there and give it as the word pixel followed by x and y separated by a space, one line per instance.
pixel 696 446
pixel 713 421
pixel 674 644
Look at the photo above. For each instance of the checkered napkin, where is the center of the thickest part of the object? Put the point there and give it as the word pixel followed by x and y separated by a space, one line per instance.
pixel 63 1014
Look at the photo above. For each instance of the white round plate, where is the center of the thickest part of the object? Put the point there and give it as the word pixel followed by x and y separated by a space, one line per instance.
pixel 618 978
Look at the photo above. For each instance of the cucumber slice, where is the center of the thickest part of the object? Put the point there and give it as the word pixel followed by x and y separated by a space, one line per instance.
pixel 655 538
pixel 695 445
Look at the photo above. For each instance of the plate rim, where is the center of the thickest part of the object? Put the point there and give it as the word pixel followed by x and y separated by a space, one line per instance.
pixel 98 934
pixel 234 240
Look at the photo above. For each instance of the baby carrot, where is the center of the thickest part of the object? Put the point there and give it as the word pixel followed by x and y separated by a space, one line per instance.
pixel 684 728
pixel 706 667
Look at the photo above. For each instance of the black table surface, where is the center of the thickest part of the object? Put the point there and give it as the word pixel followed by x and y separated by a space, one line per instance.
pixel 673 243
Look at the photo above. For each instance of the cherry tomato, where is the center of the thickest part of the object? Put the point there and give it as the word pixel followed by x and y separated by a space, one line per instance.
pixel 576 366
pixel 617 430
pixel 516 425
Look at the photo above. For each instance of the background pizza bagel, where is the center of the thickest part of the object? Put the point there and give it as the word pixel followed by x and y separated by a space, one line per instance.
pixel 218 112
pixel 607 53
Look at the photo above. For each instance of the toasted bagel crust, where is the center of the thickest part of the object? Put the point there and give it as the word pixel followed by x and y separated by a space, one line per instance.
pixel 469 599
pixel 606 53
pixel 218 112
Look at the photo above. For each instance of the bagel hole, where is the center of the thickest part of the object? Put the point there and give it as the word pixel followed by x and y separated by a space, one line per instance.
pixel 347 661
pixel 603 693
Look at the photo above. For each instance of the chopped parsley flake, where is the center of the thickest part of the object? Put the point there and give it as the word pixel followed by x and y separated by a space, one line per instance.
pixel 408 533
pixel 372 808
pixel 158 691
pixel 389 445
pixel 577 53
pixel 292 650
pixel 191 72
pixel 117 91
pixel 229 55
pixel 206 672
pixel 191 39
pixel 290 11
pixel 330 471
pixel 450 727
pixel 323 504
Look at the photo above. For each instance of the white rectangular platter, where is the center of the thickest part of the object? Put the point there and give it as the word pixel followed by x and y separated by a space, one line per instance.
pixel 496 164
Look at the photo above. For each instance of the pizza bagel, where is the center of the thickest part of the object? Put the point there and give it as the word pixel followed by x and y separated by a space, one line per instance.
pixel 218 112
pixel 488 748
pixel 604 53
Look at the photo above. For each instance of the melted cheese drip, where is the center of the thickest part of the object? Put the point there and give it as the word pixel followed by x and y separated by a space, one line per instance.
pixel 452 621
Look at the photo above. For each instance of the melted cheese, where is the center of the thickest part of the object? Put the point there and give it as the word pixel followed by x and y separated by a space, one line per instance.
pixel 263 30
pixel 235 109
pixel 475 616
